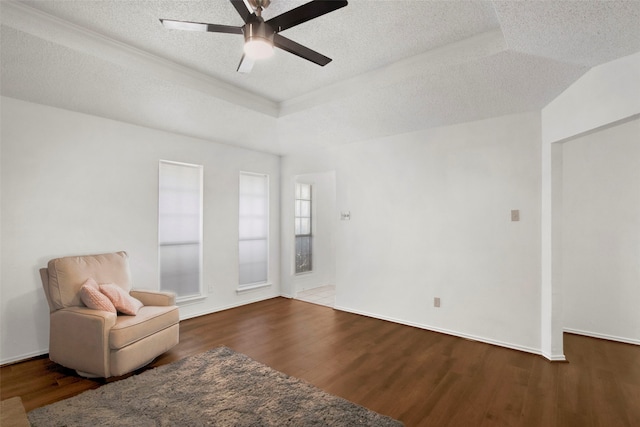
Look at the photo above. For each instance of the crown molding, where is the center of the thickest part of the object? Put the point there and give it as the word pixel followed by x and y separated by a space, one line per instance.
pixel 48 27
pixel 467 50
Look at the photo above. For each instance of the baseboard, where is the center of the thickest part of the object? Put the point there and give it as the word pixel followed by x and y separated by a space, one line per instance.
pixel 448 332
pixel 554 358
pixel 602 336
pixel 227 307
pixel 23 357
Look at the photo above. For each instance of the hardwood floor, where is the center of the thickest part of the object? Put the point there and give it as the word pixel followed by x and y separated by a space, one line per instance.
pixel 419 377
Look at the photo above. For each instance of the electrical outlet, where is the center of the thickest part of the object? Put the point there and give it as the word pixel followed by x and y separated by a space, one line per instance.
pixel 436 302
pixel 515 215
pixel 210 287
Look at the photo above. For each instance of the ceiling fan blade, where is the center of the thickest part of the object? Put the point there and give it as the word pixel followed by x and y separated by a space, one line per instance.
pixel 299 50
pixel 242 9
pixel 245 65
pixel 199 26
pixel 304 13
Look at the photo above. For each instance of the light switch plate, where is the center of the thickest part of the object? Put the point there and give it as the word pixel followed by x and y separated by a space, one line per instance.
pixel 515 215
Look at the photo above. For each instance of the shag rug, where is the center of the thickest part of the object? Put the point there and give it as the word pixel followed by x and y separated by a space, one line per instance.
pixel 216 388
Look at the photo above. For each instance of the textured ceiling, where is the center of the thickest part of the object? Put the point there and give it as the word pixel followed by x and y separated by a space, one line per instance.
pixel 398 66
pixel 347 36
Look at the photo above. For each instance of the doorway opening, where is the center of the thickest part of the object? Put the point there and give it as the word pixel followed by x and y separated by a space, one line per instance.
pixel 313 265
pixel 322 295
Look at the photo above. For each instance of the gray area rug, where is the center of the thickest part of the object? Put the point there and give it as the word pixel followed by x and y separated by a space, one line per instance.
pixel 216 388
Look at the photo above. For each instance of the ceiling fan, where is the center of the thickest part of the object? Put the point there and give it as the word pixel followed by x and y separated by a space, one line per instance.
pixel 260 36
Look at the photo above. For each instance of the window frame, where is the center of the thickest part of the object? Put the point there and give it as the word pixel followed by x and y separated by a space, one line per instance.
pixel 242 287
pixel 309 235
pixel 199 242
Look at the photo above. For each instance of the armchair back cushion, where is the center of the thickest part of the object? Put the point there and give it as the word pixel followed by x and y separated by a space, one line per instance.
pixel 68 274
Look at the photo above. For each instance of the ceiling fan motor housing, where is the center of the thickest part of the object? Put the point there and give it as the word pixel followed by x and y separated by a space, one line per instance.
pixel 256 30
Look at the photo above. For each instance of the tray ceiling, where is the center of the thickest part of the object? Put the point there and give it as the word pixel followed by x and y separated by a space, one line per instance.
pixel 398 66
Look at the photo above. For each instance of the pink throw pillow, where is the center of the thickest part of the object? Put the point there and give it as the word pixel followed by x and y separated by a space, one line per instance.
pixel 92 297
pixel 122 301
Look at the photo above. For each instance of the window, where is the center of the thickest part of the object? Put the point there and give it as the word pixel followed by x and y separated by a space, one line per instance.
pixel 304 260
pixel 180 229
pixel 253 245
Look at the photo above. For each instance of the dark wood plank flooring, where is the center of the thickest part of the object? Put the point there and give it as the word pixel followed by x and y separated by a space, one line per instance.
pixel 420 377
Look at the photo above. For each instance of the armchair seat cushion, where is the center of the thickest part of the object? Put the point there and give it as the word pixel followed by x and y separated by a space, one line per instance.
pixel 148 321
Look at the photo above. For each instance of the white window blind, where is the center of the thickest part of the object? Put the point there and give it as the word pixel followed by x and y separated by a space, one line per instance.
pixel 180 229
pixel 253 245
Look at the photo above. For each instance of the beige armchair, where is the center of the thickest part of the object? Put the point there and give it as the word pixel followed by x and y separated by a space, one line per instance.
pixel 99 343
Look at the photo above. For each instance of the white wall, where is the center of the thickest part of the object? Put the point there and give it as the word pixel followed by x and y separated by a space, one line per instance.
pixel 430 217
pixel 324 218
pixel 77 184
pixel 607 96
pixel 601 233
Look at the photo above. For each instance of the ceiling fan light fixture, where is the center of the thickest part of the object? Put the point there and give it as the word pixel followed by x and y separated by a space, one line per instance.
pixel 258 48
pixel 258 40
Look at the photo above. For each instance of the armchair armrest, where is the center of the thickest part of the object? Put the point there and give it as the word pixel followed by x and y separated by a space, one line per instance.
pixel 79 338
pixel 157 298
